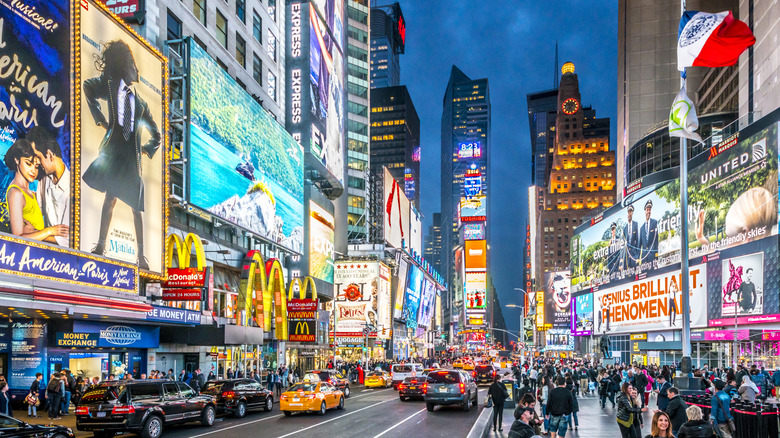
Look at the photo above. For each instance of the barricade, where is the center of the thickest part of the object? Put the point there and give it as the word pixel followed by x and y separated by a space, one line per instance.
pixel 752 420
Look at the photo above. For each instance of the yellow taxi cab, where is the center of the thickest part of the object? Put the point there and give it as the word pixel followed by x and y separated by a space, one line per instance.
pixel 457 363
pixel 311 396
pixel 468 366
pixel 378 379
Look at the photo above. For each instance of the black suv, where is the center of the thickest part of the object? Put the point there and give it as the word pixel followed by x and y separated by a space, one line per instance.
pixel 141 406
pixel 236 396
pixel 484 374
pixel 333 377
pixel 12 427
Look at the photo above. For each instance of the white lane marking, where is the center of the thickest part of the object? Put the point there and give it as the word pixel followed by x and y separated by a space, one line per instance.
pixel 401 422
pixel 336 418
pixel 236 425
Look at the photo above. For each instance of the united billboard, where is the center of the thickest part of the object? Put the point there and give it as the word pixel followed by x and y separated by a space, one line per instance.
pixel 243 166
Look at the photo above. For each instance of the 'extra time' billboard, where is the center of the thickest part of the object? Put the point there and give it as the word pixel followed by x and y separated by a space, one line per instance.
pixel 360 290
pixel 322 232
pixel 396 213
pixel 558 299
pixel 244 167
pixel 413 295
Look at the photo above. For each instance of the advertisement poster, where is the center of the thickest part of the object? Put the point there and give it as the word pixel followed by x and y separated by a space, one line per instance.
pixel 28 353
pixel 427 303
pixel 473 209
pixel 396 213
pixel 476 291
pixel 473 231
pixel 322 233
pixel 413 295
pixel 384 303
pixel 248 169
pixel 326 73
pixel 559 340
pixel 650 304
pixel 625 242
pixel 582 315
pixel 123 152
pixel 733 194
pixel 415 241
pixel 35 136
pixel 743 285
pixel 558 299
pixel 357 288
pixel 476 255
pixel 400 289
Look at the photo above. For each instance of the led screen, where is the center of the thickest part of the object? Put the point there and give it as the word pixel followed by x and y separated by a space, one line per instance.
pixel 427 303
pixel 582 315
pixel 473 209
pixel 322 232
pixel 473 231
pixel 413 295
pixel 400 289
pixel 476 254
pixel 558 299
pixel 357 287
pixel 244 167
pixel 471 149
pixel 559 340
pixel 476 289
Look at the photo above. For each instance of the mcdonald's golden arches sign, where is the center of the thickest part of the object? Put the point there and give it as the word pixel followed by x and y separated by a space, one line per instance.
pixel 302 331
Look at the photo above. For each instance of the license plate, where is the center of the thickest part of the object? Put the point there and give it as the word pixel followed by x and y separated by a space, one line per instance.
pixel 295 399
pixel 296 404
pixel 101 414
pixel 443 390
pixel 412 387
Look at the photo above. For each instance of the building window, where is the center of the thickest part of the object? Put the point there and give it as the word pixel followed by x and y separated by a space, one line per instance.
pixel 241 10
pixel 174 27
pixel 271 45
pixel 272 86
pixel 356 202
pixel 356 183
pixel 222 64
pixel 257 70
pixel 272 9
pixel 240 50
pixel 222 29
pixel 257 27
pixel 199 10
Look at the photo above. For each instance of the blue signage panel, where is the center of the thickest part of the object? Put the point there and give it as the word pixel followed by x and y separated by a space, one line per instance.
pixel 121 335
pixel 37 260
pixel 28 352
pixel 174 315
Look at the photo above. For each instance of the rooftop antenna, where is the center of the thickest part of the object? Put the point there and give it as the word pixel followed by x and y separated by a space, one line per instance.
pixel 555 72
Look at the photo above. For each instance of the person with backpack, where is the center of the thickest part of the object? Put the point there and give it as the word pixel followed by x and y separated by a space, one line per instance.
pixel 54 392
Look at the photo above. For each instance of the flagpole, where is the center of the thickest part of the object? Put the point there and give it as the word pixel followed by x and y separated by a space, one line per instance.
pixel 684 286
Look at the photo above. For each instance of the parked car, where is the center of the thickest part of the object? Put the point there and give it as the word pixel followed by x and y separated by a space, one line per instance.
pixel 237 396
pixel 142 406
pixel 333 377
pixel 450 387
pixel 12 427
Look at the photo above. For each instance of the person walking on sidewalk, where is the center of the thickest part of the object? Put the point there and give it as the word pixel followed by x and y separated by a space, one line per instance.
pixel 32 398
pixel 575 407
pixel 559 406
pixel 721 412
pixel 498 393
pixel 627 412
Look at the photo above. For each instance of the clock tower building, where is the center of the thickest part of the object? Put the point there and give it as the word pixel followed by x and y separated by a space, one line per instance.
pixel 582 176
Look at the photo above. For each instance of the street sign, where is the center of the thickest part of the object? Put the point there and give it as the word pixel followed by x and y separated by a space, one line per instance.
pixel 366 331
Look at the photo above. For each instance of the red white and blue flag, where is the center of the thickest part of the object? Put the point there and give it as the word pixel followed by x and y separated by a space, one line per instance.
pixel 711 40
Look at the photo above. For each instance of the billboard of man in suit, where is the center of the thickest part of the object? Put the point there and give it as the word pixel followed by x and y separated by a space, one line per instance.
pixel 648 236
pixel 631 234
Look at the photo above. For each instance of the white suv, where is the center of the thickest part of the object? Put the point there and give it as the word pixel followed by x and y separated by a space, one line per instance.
pixel 400 371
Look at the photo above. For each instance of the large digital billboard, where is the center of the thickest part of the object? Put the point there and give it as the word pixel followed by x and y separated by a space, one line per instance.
pixel 358 286
pixel 558 299
pixel 473 231
pixel 400 288
pixel 322 232
pixel 475 289
pixel 413 295
pixel 476 255
pixel 582 315
pixel 623 242
pixel 470 149
pixel 396 213
pixel 472 183
pixel 123 91
pixel 384 303
pixel 427 303
pixel 652 303
pixel 473 209
pixel 243 167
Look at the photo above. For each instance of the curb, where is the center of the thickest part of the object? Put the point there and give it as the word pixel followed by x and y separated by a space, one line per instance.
pixel 482 426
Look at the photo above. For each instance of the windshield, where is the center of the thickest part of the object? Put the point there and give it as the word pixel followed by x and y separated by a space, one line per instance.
pixel 375 373
pixel 303 387
pixel 103 393
pixel 212 388
pixel 484 368
pixel 443 377
pixel 402 369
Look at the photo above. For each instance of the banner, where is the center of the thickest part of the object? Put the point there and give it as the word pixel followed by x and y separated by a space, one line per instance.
pixel 558 299
pixel 123 150
pixel 651 303
pixel 357 287
pixel 120 334
pixel 384 303
pixel 396 213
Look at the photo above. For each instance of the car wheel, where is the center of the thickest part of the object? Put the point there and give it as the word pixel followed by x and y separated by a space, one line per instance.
pixel 241 410
pixel 207 417
pixel 269 404
pixel 323 409
pixel 153 427
pixel 429 406
pixel 467 403
pixel 346 391
pixel 341 403
pixel 476 400
pixel 287 413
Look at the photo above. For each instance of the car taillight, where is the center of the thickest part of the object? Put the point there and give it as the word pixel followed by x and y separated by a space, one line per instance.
pixel 425 388
pixel 401 386
pixel 228 394
pixel 311 396
pixel 82 410
pixel 474 374
pixel 462 388
pixel 494 373
pixel 120 410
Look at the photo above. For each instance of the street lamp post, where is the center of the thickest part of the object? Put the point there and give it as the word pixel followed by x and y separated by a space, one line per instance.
pixel 522 325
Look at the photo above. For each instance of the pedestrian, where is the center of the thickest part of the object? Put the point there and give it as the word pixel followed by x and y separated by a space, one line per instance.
pixel 521 427
pixel 533 374
pixel 559 406
pixel 721 411
pixel 661 426
pixel 54 393
pixel 662 391
pixel 748 390
pixel 575 407
pixel 32 399
pixel 498 393
pixel 627 411
pixel 5 400
pixel 640 384
pixel 776 383
pixel 696 427
pixel 676 409
pixel 70 384
pixel 541 395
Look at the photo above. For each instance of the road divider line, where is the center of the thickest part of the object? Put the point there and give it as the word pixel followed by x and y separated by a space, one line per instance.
pixel 236 425
pixel 334 419
pixel 400 422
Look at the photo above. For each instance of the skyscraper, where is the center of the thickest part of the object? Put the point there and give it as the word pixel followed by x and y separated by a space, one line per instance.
pixel 433 242
pixel 388 41
pixel 465 145
pixel 542 113
pixel 395 138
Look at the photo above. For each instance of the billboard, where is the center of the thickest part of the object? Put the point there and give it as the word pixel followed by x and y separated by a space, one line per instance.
pixel 473 209
pixel 400 289
pixel 35 130
pixel 626 241
pixel 652 303
pixel 384 303
pixel 358 285
pixel 558 299
pixel 322 233
pixel 415 231
pixel 733 193
pixel 122 203
pixel 470 149
pixel 559 340
pixel 472 182
pixel 413 296
pixel 427 303
pixel 476 255
pixel 248 169
pixel 397 213
pixel 473 231
pixel 541 317
pixel 582 315
pixel 475 289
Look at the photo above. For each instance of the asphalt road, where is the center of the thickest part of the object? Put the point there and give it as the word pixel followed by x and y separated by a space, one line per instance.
pixel 368 413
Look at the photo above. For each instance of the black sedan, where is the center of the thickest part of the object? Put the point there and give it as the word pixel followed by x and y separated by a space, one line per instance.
pixel 411 387
pixel 237 396
pixel 11 427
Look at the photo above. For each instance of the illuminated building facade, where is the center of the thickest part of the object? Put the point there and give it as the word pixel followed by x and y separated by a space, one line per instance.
pixel 582 175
